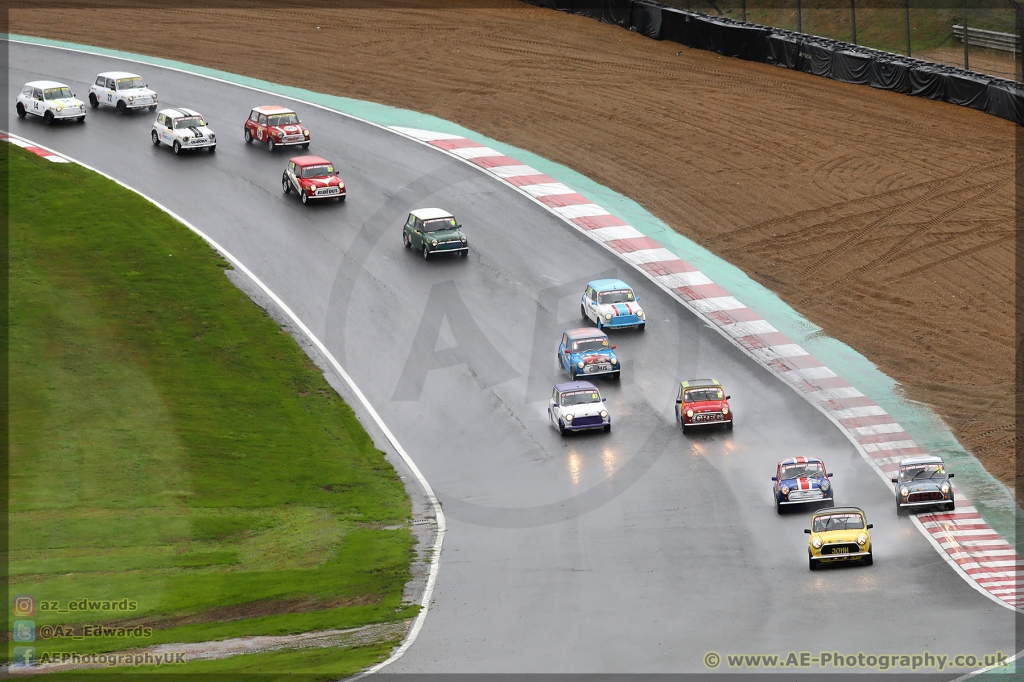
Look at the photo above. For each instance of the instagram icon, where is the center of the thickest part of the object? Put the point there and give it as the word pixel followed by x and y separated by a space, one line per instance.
pixel 24 605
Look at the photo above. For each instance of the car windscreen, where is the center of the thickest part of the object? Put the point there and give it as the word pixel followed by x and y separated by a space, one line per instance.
pixel 317 171
pixel 584 345
pixel 57 93
pixel 283 120
pixel 696 395
pixel 623 296
pixel 129 83
pixel 437 225
pixel 580 397
pixel 190 122
pixel 838 522
pixel 809 470
pixel 920 471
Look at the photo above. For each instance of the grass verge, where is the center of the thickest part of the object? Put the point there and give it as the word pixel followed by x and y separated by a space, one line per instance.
pixel 172 451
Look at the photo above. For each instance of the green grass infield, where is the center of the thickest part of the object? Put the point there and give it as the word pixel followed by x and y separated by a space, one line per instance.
pixel 176 461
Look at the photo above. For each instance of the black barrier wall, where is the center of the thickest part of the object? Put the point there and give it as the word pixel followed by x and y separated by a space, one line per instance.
pixel 820 56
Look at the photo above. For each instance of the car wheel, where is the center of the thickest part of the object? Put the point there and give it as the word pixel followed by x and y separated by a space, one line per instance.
pixel 641 326
pixel 607 428
pixel 152 107
pixel 729 425
pixel 48 117
pixel 810 562
pixel 406 241
pixel 869 559
pixel 950 506
pixel 561 427
pixel 247 135
pixel 831 504
pixel 583 312
pixel 121 108
pixel 21 110
pixel 177 147
pixel 899 509
pixel 305 145
pixel 684 425
pixel 464 254
pixel 572 373
pixel 305 197
pixel 270 144
pixel 212 148
pixel 426 253
pixel 93 102
pixel 778 507
pixel 154 138
pixel 286 186
pixel 81 119
pixel 342 198
pixel 617 374
pixel 599 324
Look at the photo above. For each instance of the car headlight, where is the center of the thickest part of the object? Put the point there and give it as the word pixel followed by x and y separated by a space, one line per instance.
pixel 945 488
pixel 615 360
pixel 825 486
pixel 212 136
pixel 580 364
pixel 689 413
pixel 725 409
pixel 861 539
pixel 59 107
pixel 784 490
pixel 433 242
pixel 463 240
pixel 306 133
pixel 816 542
pixel 155 97
pixel 185 138
pixel 568 417
pixel 640 314
pixel 604 414
pixel 904 491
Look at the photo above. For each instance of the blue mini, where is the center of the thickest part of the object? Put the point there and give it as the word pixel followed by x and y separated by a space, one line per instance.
pixel 587 352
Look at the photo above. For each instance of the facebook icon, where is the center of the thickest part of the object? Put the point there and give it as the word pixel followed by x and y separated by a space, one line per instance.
pixel 24 656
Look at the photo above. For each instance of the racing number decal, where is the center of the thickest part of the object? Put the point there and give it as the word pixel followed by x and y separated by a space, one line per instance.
pixel 110 97
pixel 259 133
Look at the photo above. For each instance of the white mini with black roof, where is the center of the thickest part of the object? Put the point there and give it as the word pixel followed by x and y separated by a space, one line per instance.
pixel 50 101
pixel 122 90
pixel 182 128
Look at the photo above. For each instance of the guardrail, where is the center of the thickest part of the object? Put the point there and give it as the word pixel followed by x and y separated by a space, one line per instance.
pixel 833 59
pixel 993 40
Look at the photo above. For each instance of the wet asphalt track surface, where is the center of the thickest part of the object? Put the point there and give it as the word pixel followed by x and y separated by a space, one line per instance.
pixel 634 551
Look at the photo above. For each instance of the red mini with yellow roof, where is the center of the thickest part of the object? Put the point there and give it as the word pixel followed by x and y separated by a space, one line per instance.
pixel 275 126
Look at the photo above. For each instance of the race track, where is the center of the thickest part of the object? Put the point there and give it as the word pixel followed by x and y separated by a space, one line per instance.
pixel 634 551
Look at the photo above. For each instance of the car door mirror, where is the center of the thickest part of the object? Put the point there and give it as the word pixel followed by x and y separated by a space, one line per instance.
pixel 613 347
pixel 604 400
pixel 775 478
pixel 637 299
pixel 728 397
pixel 949 476
pixel 830 475
pixel 895 480
pixel 566 351
pixel 807 530
pixel 870 526
pixel 679 402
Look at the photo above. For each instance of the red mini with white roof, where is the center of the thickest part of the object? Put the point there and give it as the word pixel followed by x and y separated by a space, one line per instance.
pixel 312 177
pixel 275 126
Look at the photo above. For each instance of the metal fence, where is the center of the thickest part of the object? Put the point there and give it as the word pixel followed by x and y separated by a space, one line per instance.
pixel 927 29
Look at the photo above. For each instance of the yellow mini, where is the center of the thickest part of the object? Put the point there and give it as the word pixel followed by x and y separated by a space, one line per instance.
pixel 839 534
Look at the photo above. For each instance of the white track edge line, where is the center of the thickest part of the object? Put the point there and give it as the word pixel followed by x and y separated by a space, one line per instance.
pixel 435 556
pixel 582 230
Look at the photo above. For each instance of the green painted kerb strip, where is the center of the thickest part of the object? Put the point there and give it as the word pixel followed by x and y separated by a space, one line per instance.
pixel 991 497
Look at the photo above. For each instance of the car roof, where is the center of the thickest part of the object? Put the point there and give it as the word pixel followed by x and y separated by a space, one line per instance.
pixel 180 112
pixel 585 333
pixel 47 84
pixel 701 383
pixel 431 213
pixel 273 109
pixel 922 459
pixel 608 284
pixel 118 74
pixel 800 460
pixel 575 386
pixel 838 510
pixel 309 160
